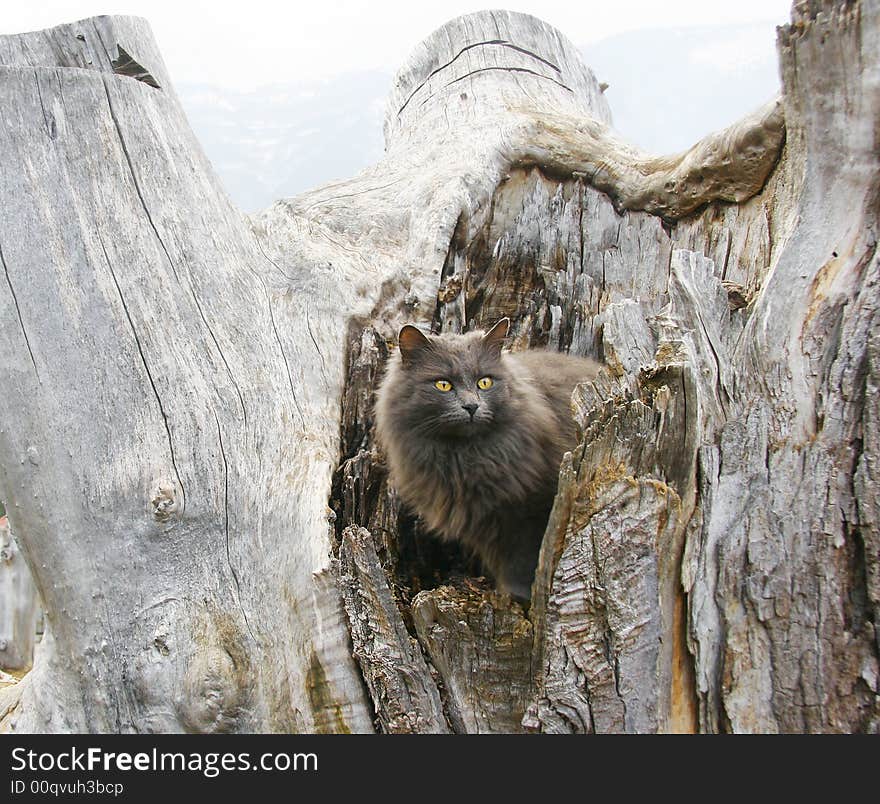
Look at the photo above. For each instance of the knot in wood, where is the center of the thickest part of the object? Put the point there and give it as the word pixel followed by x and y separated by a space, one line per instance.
pixel 212 692
pixel 164 502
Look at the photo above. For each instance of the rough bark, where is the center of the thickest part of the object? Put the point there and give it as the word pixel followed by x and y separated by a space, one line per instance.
pixel 404 694
pixel 480 643
pixel 188 388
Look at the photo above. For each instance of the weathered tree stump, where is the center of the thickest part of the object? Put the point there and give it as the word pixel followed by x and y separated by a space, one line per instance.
pixel 187 441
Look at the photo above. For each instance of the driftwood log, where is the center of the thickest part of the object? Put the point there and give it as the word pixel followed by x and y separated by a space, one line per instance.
pixel 186 449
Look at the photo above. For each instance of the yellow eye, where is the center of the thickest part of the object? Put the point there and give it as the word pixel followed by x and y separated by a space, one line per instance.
pixel 443 385
pixel 484 382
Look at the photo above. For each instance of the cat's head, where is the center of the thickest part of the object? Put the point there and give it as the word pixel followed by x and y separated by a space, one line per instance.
pixel 452 386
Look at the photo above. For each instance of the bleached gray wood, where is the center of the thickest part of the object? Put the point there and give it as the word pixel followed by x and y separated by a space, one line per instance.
pixel 778 560
pixel 627 340
pixel 19 605
pixel 481 645
pixel 155 426
pixel 404 694
pixel 177 377
pixel 799 650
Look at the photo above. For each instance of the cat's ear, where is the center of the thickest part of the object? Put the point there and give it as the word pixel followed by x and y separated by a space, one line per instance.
pixel 413 343
pixel 494 338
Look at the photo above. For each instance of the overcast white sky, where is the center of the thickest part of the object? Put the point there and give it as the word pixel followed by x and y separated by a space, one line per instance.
pixel 250 43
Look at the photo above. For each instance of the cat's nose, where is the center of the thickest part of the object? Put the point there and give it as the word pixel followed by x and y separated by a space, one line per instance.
pixel 471 407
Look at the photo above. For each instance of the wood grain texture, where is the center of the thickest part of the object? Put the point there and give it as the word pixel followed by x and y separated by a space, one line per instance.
pixel 481 644
pixel 158 392
pixel 19 605
pixel 404 694
pixel 188 388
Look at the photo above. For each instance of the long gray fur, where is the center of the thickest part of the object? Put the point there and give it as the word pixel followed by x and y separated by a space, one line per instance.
pixel 486 476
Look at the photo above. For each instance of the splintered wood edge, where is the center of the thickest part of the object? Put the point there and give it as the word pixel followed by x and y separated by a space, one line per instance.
pixel 730 165
pixel 466 628
pixel 404 694
pixel 10 695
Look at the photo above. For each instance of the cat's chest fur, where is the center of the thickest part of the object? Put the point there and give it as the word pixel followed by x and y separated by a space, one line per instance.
pixel 461 483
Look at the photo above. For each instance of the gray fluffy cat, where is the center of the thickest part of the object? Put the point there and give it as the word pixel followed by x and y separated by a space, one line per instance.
pixel 474 437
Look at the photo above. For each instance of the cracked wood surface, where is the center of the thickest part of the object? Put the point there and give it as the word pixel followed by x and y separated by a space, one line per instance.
pixel 177 374
pixel 480 642
pixel 162 416
pixel 405 696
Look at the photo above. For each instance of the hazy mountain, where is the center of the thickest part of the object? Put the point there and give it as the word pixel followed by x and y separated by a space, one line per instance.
pixel 277 141
pixel 667 88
